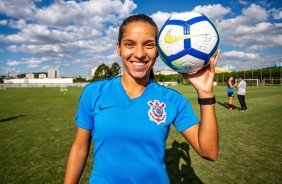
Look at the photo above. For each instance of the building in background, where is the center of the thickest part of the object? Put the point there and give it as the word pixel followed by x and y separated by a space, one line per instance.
pixel 39 82
pixel 165 72
pixel 29 76
pixel 221 70
pixel 278 64
pixel 42 76
pixel 93 70
pixel 230 67
pixel 53 74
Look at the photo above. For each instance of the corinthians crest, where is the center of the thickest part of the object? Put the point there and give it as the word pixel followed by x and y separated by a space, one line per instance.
pixel 156 112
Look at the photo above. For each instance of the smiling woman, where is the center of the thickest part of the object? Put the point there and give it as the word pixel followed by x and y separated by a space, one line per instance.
pixel 137 49
pixel 129 116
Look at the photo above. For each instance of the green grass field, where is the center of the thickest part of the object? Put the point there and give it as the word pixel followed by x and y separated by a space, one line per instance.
pixel 37 126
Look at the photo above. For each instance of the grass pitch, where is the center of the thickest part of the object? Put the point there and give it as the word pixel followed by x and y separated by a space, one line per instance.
pixel 37 126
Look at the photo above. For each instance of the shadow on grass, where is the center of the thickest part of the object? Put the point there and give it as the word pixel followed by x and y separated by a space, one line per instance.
pixel 11 118
pixel 225 104
pixel 180 174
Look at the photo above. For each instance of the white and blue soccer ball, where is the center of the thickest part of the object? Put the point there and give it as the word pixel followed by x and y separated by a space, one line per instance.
pixel 186 41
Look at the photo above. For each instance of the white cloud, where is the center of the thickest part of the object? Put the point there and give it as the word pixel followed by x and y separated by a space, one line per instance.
pixel 93 13
pixel 276 13
pixel 247 60
pixel 30 62
pixel 17 24
pixel 161 17
pixel 239 55
pixel 14 63
pixel 243 2
pixel 38 34
pixel 10 71
pixel 250 30
pixel 3 22
pixel 22 9
pixel 214 12
pixel 254 13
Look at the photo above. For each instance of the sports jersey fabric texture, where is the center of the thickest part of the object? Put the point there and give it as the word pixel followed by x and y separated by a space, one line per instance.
pixel 229 89
pixel 242 87
pixel 129 134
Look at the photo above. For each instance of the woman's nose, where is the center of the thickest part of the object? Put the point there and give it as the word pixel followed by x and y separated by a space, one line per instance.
pixel 139 53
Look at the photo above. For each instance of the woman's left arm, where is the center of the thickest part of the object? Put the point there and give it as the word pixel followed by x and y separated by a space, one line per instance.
pixel 203 137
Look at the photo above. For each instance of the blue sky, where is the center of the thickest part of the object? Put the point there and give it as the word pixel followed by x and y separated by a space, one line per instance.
pixel 74 36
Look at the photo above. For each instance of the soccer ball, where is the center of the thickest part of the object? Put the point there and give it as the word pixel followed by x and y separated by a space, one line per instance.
pixel 186 42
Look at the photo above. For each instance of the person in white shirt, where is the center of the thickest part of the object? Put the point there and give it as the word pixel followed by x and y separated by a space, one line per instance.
pixel 241 93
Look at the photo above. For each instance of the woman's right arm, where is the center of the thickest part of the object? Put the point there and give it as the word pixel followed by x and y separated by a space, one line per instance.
pixel 78 156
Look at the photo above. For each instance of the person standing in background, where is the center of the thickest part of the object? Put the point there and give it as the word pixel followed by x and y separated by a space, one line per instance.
pixel 242 85
pixel 230 92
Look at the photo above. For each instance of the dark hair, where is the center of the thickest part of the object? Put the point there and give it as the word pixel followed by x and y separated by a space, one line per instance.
pixel 242 77
pixel 228 79
pixel 138 18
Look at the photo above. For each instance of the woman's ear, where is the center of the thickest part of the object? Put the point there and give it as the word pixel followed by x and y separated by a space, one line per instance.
pixel 118 48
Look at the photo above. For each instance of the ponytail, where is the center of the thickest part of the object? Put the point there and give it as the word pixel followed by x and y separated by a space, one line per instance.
pixel 152 75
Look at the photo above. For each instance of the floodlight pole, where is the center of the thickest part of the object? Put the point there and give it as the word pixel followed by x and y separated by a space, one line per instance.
pixel 260 75
pixel 270 75
pixel 280 75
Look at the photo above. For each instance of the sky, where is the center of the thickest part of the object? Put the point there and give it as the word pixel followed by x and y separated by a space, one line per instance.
pixel 73 36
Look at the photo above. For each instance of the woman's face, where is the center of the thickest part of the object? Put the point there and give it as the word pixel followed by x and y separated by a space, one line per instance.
pixel 138 49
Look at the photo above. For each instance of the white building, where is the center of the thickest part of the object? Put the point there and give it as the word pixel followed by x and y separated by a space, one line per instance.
pixel 29 76
pixel 42 76
pixel 165 72
pixel 40 81
pixel 230 67
pixel 93 70
pixel 52 74
pixel 278 64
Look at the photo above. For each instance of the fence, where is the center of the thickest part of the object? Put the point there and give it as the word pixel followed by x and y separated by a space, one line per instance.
pixel 33 85
pixel 250 82
pixel 258 82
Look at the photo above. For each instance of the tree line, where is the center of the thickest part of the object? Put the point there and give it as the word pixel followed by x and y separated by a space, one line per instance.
pixel 103 71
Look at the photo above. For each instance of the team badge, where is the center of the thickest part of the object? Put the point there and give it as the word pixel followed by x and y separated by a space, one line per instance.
pixel 157 112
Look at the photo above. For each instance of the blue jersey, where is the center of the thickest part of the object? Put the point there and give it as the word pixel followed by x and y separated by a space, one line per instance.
pixel 229 89
pixel 129 134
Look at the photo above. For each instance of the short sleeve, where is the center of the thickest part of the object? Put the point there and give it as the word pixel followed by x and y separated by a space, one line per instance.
pixel 186 117
pixel 84 116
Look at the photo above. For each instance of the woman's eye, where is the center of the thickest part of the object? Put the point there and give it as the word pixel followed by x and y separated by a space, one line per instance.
pixel 128 44
pixel 150 45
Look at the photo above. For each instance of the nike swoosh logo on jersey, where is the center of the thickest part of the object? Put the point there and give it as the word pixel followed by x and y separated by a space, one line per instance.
pixel 171 39
pixel 104 108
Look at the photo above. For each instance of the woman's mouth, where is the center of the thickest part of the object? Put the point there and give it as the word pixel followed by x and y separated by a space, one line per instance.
pixel 138 64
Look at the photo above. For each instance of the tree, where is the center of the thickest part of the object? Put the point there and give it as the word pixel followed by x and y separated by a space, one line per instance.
pixel 79 79
pixel 115 69
pixel 102 72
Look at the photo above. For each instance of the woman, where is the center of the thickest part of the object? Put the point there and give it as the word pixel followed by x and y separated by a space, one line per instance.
pixel 129 116
pixel 230 92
